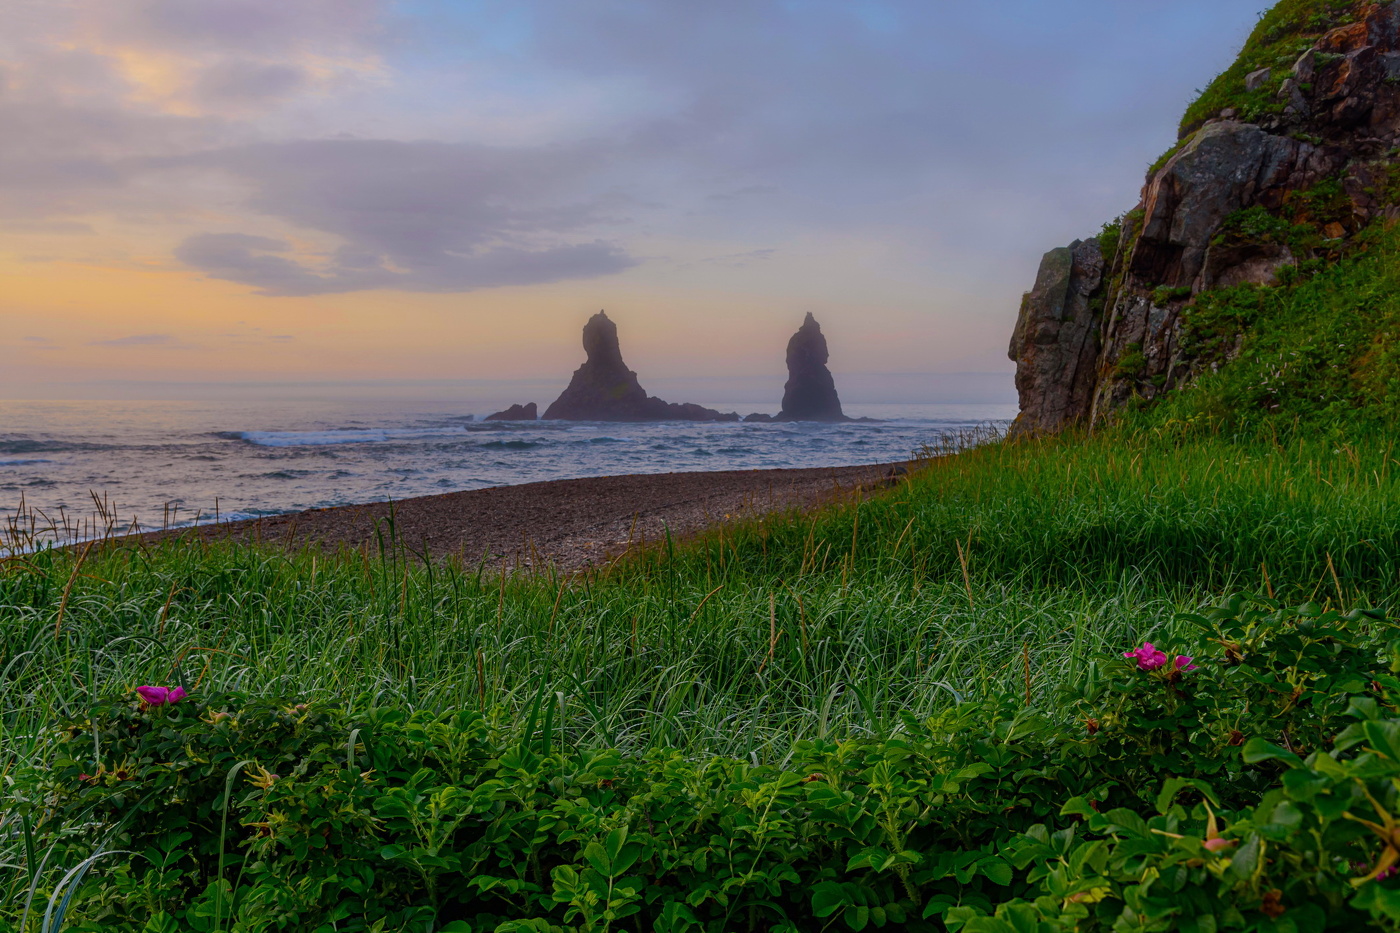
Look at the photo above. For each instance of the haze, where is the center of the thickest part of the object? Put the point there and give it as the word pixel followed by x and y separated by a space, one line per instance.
pixel 207 197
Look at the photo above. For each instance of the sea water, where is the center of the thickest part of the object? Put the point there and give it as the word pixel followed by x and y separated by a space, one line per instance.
pixel 155 464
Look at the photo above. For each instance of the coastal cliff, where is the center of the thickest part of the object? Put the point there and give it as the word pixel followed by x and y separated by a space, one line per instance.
pixel 1285 167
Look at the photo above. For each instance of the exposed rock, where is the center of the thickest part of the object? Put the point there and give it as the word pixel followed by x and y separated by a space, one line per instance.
pixel 604 389
pixel 1055 345
pixel 810 391
pixel 516 413
pixel 1337 120
pixel 758 417
pixel 1246 263
pixel 1225 167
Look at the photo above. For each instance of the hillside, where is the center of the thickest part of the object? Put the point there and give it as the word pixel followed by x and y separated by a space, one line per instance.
pixel 1255 270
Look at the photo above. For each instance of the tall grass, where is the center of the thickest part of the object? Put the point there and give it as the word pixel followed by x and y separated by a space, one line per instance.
pixel 1007 565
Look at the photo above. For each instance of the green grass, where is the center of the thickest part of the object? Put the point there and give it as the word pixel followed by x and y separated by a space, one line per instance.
pixel 1287 30
pixel 1317 353
pixel 1004 560
pixel 1002 572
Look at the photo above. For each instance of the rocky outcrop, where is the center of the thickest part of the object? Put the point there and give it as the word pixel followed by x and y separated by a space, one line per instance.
pixel 1055 345
pixel 1240 202
pixel 604 389
pixel 810 391
pixel 528 412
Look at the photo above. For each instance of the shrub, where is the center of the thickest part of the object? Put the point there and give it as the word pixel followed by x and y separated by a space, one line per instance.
pixel 1264 763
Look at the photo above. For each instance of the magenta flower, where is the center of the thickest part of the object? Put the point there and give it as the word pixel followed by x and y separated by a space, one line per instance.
pixel 1183 663
pixel 1149 658
pixel 160 696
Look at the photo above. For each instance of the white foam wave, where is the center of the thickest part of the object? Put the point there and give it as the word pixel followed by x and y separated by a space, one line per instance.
pixel 343 436
pixel 22 462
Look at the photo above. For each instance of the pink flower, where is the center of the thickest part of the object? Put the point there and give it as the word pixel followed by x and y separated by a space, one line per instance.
pixel 160 696
pixel 1183 663
pixel 1148 657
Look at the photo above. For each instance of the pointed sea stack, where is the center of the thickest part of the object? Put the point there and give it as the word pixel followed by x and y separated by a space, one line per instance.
pixel 604 389
pixel 810 392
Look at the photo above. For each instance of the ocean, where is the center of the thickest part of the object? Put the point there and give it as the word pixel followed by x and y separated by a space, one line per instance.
pixel 154 464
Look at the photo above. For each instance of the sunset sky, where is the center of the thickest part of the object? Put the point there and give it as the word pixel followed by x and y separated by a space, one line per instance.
pixel 201 196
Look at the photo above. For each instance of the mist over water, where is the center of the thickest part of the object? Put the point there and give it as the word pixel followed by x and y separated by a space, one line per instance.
pixel 167 463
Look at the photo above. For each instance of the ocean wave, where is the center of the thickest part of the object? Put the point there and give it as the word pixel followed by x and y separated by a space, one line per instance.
pixel 510 445
pixel 287 474
pixel 24 445
pixel 342 436
pixel 25 462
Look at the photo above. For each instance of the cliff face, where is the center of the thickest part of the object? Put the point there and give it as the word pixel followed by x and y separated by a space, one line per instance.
pixel 604 389
pixel 1286 157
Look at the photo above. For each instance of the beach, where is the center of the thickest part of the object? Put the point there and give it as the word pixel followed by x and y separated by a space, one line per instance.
pixel 567 524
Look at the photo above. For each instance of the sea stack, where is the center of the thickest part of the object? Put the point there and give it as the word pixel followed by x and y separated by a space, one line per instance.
pixel 604 389
pixel 810 392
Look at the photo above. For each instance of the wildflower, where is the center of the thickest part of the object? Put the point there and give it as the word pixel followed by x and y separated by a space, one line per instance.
pixel 1183 663
pixel 160 696
pixel 1216 844
pixel 1149 658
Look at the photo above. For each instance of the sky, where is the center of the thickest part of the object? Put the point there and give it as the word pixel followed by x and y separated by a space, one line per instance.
pixel 202 196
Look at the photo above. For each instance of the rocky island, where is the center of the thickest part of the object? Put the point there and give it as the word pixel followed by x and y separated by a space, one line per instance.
pixel 528 412
pixel 604 389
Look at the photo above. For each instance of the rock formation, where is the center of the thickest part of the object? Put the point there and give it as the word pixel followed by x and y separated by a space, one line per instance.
pixel 516 413
pixel 810 392
pixel 1295 161
pixel 604 389
pixel 1055 343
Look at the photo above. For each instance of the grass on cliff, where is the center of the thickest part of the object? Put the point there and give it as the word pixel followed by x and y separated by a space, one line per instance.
pixel 1007 566
pixel 1283 33
pixel 1316 355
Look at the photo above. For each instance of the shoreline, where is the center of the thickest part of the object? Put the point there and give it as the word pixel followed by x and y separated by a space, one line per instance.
pixel 566 524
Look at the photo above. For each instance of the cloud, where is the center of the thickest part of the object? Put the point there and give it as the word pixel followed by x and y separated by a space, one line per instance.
pixel 736 260
pixel 140 340
pixel 242 81
pixel 47 227
pixel 268 27
pixel 414 216
pixel 970 136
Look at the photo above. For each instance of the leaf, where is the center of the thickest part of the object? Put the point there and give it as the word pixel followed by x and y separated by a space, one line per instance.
pixel 996 870
pixel 1384 737
pixel 1177 784
pixel 1246 860
pixel 1257 750
pixel 829 897
pixel 161 922
pixel 1075 806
